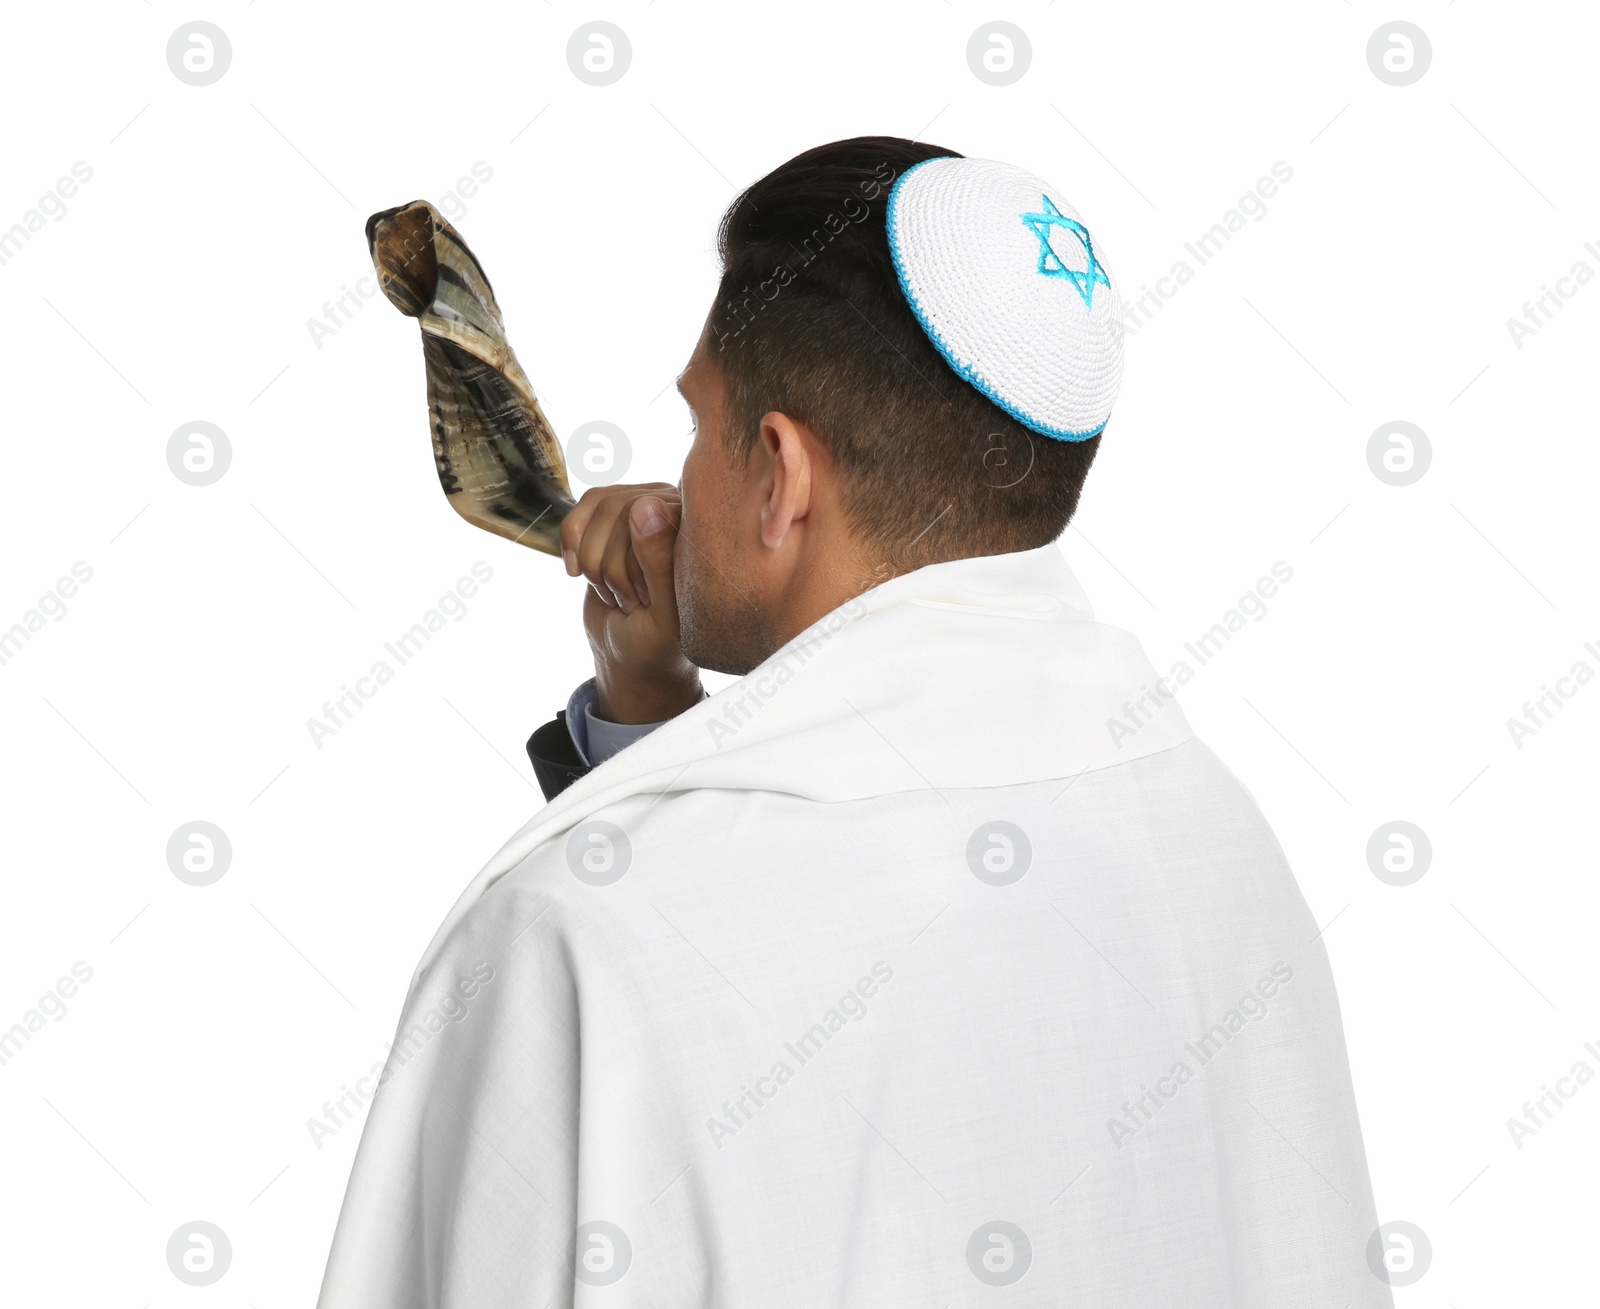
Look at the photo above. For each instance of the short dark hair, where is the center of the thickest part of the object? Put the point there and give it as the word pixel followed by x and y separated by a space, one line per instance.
pixel 810 321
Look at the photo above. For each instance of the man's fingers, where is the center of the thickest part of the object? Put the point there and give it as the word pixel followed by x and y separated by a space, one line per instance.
pixel 614 569
pixel 603 517
pixel 641 587
pixel 588 526
pixel 597 509
pixel 652 529
pixel 575 524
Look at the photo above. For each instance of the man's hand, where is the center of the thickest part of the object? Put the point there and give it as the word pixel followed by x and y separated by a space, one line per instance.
pixel 621 539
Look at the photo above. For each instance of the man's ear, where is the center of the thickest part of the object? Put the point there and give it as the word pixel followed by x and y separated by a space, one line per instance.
pixel 789 497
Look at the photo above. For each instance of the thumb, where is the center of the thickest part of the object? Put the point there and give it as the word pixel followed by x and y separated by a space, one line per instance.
pixel 654 534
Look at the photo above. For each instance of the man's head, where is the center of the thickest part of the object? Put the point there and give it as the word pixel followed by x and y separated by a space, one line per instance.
pixel 834 446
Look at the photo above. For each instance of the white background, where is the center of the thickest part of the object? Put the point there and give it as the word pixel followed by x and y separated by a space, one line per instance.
pixel 179 285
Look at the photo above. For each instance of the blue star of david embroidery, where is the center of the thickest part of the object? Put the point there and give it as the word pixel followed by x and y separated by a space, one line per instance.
pixel 1051 264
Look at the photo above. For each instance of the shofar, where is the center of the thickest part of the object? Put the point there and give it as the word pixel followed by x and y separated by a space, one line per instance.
pixel 499 461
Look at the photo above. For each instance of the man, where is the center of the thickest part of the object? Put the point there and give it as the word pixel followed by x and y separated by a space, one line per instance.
pixel 934 954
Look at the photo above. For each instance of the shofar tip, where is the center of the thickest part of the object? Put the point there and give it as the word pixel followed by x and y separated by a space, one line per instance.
pixel 400 241
pixel 496 455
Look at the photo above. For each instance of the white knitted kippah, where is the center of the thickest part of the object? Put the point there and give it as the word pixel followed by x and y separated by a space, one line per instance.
pixel 1005 280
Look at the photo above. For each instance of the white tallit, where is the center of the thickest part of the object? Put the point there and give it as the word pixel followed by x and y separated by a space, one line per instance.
pixel 817 1043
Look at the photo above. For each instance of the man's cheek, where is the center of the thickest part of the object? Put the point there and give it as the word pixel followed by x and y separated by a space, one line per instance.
pixel 688 492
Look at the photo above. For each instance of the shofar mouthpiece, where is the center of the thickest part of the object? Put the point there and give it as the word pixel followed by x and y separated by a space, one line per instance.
pixel 499 462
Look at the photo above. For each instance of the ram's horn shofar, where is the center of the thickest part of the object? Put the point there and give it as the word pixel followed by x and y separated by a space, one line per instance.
pixel 499 460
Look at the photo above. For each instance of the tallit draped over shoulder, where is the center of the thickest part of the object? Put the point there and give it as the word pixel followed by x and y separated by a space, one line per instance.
pixel 934 955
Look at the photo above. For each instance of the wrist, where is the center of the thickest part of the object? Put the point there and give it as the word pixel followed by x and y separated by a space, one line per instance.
pixel 631 697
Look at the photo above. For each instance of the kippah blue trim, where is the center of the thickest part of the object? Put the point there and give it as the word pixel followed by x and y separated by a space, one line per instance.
pixel 964 371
